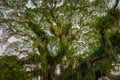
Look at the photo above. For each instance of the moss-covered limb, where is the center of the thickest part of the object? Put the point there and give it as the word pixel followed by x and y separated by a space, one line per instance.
pixel 46 59
pixel 103 24
pixel 107 45
pixel 37 30
pixel 108 52
pixel 42 40
pixel 52 61
pixel 115 4
pixel 115 39
pixel 84 70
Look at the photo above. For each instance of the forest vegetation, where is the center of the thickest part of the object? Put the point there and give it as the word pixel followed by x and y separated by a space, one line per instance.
pixel 59 39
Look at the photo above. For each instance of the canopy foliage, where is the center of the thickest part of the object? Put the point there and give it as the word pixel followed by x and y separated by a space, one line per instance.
pixel 59 39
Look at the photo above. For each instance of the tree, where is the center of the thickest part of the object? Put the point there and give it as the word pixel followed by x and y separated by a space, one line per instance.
pixel 62 39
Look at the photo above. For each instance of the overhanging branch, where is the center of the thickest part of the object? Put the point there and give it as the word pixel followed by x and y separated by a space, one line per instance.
pixel 115 4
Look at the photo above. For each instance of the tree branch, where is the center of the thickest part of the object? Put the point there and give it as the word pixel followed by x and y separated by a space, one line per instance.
pixel 115 4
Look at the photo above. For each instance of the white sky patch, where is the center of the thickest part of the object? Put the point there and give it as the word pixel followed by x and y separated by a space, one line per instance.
pixel 91 0
pixel 57 71
pixel 2 48
pixel 0 32
pixel 29 5
pixel 13 39
pixel 61 3
pixel 110 4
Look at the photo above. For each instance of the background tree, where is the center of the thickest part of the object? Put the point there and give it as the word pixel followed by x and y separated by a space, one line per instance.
pixel 62 39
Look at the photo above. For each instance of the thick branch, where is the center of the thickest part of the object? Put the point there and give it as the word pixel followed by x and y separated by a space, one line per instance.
pixel 115 4
pixel 7 3
pixel 96 59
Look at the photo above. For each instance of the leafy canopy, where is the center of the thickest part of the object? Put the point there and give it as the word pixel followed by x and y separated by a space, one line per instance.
pixel 59 39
